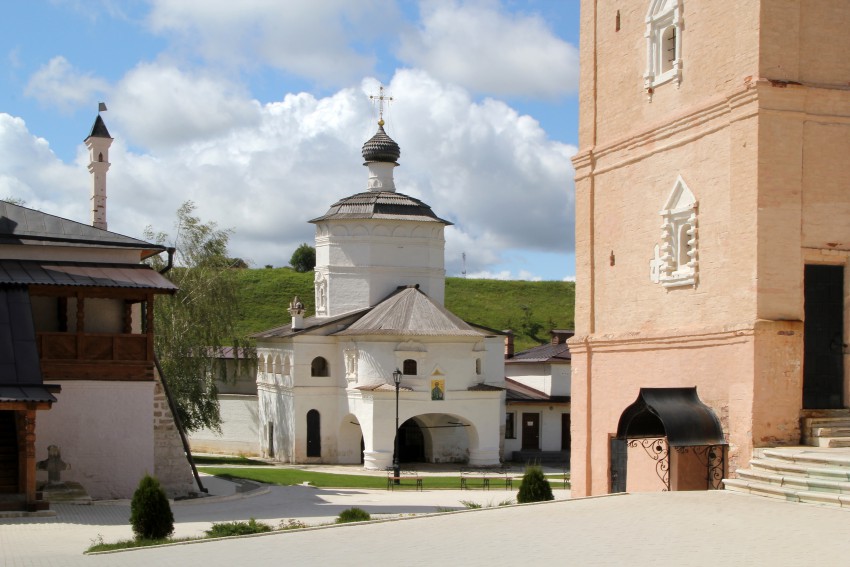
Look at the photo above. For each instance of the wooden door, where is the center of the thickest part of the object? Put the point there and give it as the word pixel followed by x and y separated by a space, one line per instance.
pixel 314 434
pixel 530 431
pixel 823 350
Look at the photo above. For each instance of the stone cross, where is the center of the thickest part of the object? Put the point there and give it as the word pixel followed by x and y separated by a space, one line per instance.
pixel 54 465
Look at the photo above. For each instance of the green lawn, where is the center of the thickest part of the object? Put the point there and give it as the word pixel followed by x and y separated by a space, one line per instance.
pixel 289 477
pixel 530 309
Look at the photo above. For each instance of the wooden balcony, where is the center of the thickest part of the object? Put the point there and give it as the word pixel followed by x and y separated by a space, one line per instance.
pixel 95 356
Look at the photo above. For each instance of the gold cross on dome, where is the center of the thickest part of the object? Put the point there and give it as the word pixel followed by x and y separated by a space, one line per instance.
pixel 380 98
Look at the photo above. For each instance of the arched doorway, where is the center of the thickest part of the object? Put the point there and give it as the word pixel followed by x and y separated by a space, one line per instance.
pixel 667 440
pixel 411 442
pixel 314 434
pixel 436 438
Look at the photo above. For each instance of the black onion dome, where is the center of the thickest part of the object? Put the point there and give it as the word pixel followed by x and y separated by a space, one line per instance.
pixel 381 147
pixel 385 205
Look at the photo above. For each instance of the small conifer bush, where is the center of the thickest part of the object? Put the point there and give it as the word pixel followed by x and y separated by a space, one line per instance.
pixel 534 487
pixel 150 513
pixel 353 515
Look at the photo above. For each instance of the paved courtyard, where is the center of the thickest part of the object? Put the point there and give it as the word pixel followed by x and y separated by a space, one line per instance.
pixel 684 528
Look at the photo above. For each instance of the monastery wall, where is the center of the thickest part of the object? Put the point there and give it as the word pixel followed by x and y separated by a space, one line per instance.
pixel 85 420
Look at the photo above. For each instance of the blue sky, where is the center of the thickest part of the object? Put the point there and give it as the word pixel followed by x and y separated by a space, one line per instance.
pixel 256 111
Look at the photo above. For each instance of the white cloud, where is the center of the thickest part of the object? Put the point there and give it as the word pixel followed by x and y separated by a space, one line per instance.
pixel 504 275
pixel 490 51
pixel 59 84
pixel 310 39
pixel 160 105
pixel 265 170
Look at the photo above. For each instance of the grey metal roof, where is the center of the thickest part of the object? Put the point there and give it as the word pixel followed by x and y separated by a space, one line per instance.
pixel 98 129
pixel 520 393
pixel 381 147
pixel 310 324
pixel 21 225
pixel 543 353
pixel 409 312
pixel 33 272
pixel 381 205
pixel 20 369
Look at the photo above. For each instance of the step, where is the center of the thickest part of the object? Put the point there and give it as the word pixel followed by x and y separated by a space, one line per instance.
pixel 830 432
pixel 800 483
pixel 845 412
pixel 785 493
pixel 789 468
pixel 838 458
pixel 810 423
pixel 827 442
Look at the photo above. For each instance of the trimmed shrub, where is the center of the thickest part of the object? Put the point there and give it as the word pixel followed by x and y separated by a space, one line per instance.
pixel 227 529
pixel 353 515
pixel 150 513
pixel 534 487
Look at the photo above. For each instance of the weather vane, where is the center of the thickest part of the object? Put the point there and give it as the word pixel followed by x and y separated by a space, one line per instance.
pixel 380 98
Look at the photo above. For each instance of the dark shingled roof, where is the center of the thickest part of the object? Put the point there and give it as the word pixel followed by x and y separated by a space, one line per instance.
pixel 409 312
pixel 381 147
pixel 84 274
pixel 21 225
pixel 98 129
pixel 381 205
pixel 20 370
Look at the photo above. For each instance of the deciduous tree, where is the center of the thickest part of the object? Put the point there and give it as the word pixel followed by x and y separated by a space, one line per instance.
pixel 192 326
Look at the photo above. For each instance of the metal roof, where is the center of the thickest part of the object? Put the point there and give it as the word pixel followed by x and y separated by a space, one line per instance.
pixel 20 369
pixel 387 205
pixel 310 324
pixel 98 129
pixel 31 272
pixel 381 147
pixel 675 413
pixel 544 353
pixel 20 225
pixel 409 312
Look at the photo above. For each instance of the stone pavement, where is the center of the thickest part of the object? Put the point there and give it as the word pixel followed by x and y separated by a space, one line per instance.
pixel 681 528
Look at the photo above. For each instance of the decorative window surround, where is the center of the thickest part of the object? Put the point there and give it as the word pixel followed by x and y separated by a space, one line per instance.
pixel 321 287
pixel 663 44
pixel 675 261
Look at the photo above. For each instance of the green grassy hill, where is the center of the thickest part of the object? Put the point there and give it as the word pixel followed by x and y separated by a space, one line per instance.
pixel 530 309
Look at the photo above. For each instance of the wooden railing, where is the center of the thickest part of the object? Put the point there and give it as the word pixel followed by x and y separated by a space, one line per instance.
pixel 95 356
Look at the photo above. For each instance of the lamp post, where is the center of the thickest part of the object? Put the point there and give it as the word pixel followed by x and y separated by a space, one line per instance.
pixel 396 468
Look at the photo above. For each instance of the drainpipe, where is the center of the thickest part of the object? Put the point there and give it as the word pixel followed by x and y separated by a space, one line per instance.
pixel 170 264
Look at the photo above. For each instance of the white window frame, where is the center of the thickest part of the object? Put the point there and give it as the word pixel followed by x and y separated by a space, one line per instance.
pixel 676 262
pixel 662 15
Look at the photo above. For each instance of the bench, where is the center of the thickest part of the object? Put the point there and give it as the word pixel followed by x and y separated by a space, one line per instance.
pixel 402 475
pixel 475 478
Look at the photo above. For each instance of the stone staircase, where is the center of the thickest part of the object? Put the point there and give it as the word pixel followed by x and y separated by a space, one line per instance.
pixel 816 473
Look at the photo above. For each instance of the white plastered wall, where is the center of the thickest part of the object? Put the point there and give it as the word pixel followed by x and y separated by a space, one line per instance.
pixel 104 431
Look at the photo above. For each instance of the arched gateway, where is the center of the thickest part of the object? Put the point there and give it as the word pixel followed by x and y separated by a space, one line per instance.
pixel 667 440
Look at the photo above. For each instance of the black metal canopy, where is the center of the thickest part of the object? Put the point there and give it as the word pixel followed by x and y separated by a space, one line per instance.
pixel 675 413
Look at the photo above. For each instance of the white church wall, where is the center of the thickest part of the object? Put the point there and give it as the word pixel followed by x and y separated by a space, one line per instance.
pixel 240 433
pixel 276 422
pixel 326 401
pixel 104 431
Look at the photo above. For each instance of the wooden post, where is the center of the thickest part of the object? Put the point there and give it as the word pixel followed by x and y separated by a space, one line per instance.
pixel 26 452
pixel 81 319
pixel 149 325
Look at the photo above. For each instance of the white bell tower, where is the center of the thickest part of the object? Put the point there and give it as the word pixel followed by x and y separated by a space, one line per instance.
pixel 98 143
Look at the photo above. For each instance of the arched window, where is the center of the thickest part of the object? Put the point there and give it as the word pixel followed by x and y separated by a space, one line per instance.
pixel 319 367
pixel 314 434
pixel 478 366
pixel 663 43
pixel 409 367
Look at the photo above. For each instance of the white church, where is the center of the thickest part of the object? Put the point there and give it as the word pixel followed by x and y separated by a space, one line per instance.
pixel 325 384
